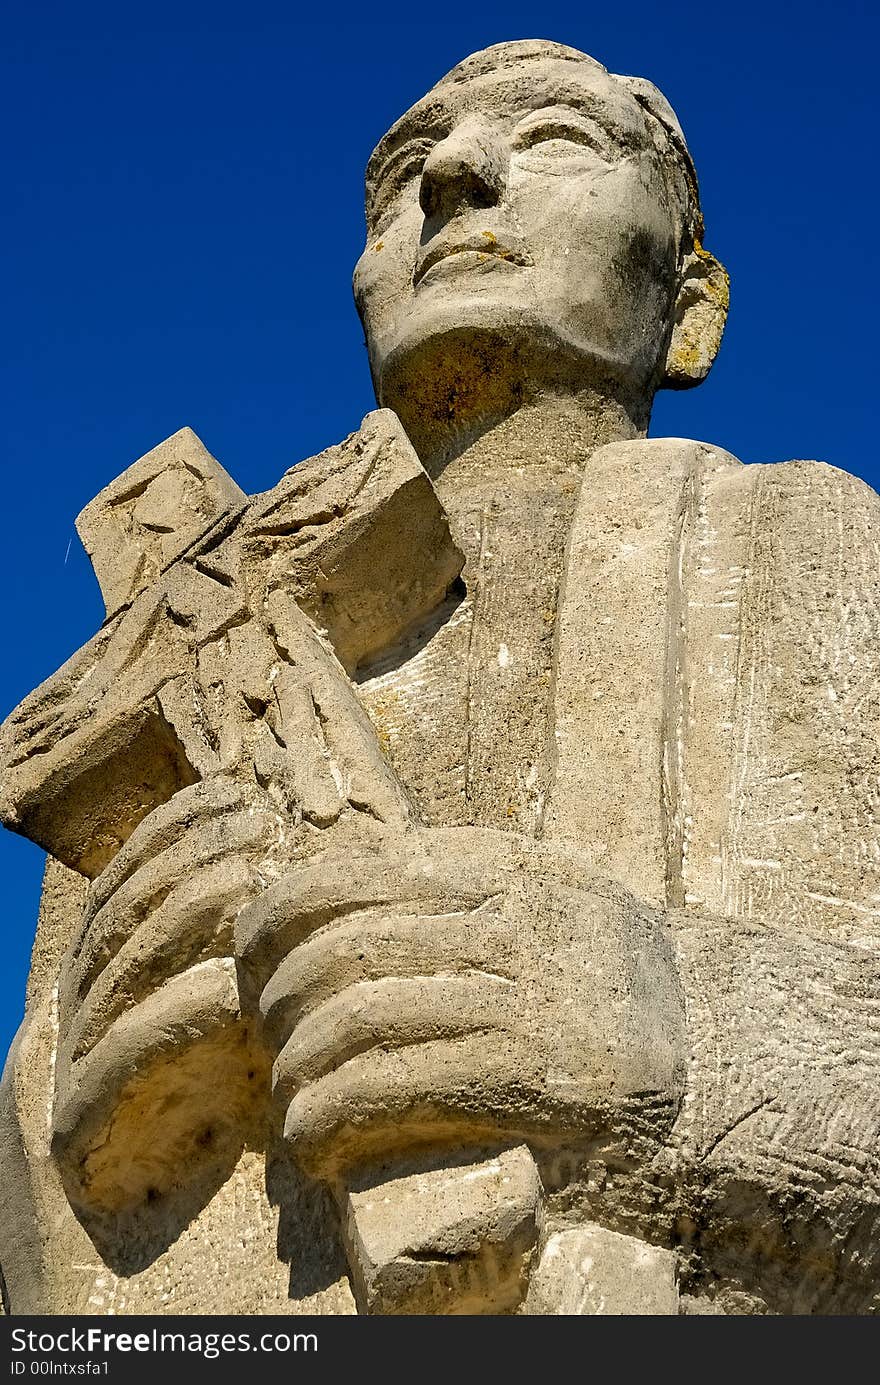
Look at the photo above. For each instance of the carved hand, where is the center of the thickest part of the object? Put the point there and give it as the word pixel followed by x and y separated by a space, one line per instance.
pixel 458 985
pixel 154 959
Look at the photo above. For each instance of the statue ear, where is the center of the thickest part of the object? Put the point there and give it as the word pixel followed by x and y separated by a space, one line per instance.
pixel 698 321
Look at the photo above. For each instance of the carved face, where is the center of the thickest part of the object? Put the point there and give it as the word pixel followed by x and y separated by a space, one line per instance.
pixel 525 212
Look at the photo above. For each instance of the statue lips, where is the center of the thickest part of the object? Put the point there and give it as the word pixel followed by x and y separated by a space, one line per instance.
pixel 482 244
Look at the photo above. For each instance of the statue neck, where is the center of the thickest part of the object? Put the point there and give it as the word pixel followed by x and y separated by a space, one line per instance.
pixel 545 440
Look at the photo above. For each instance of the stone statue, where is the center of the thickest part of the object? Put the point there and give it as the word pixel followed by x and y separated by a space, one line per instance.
pixel 464 859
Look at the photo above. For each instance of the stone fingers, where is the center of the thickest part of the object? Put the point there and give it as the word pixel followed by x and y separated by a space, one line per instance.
pixel 376 947
pixel 458 1089
pixel 384 1015
pixel 144 890
pixel 168 1088
pixel 194 922
pixel 185 812
pixel 401 878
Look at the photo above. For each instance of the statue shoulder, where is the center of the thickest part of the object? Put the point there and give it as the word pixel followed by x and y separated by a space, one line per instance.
pixel 676 454
pixel 805 486
pixel 670 456
pixel 814 482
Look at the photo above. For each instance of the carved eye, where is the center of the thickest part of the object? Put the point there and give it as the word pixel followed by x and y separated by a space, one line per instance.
pixel 557 138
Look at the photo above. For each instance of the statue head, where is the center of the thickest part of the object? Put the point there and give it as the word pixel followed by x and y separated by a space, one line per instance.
pixel 533 226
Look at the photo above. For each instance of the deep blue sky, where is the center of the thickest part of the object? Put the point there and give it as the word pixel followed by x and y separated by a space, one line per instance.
pixel 184 189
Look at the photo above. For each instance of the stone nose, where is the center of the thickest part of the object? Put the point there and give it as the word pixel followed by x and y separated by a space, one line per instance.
pixel 467 169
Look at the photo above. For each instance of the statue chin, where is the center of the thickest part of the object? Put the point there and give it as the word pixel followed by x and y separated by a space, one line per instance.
pixel 458 365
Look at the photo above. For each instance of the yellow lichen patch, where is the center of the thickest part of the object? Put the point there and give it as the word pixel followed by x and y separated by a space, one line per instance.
pixel 384 712
pixel 380 245
pixel 685 360
pixel 703 305
pixel 492 239
pixel 384 739
pixel 718 288
pixel 718 279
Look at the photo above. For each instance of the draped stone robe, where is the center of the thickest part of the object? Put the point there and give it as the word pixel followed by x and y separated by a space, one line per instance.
pixel 706 735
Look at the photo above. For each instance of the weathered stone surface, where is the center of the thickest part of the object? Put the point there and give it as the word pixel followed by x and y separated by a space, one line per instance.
pixel 447 1240
pixel 594 1271
pixel 354 512
pixel 464 888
